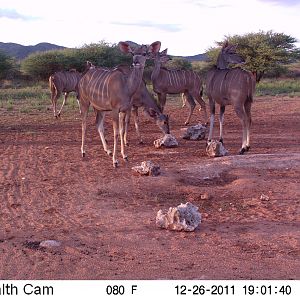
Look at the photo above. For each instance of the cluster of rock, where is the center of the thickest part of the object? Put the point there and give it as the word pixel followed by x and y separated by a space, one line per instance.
pixel 215 149
pixel 184 217
pixel 147 168
pixel 168 141
pixel 195 133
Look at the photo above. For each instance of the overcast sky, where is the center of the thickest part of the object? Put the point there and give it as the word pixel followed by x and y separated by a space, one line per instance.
pixel 185 27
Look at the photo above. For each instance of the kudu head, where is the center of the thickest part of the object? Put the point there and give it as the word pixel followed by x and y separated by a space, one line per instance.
pixel 161 57
pixel 228 55
pixel 162 121
pixel 140 53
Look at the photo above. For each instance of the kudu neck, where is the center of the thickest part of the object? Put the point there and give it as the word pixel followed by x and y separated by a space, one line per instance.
pixel 134 79
pixel 222 64
pixel 156 70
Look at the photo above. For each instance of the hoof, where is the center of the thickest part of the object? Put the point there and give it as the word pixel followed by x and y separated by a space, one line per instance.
pixel 125 157
pixel 242 151
pixel 221 141
pixel 186 123
pixel 109 153
pixel 83 154
pixel 141 142
pixel 115 164
pixel 247 148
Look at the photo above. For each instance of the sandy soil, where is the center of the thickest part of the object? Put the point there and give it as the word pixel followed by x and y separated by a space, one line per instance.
pixel 105 217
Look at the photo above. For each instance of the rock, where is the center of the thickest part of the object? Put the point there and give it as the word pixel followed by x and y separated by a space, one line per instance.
pixel 183 217
pixel 264 197
pixel 147 168
pixel 195 133
pixel 215 149
pixel 50 244
pixel 168 141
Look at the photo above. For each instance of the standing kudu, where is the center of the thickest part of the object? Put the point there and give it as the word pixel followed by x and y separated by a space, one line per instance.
pixel 112 90
pixel 62 82
pixel 142 98
pixel 231 86
pixel 176 81
pixel 65 82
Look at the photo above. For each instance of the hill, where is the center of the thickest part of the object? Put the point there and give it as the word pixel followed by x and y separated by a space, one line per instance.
pixel 20 52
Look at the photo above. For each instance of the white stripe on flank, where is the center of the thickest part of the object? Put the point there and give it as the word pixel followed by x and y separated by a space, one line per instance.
pixel 105 84
pixel 169 75
pixel 99 82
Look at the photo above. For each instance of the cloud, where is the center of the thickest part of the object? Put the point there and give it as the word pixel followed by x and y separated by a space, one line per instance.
pixel 164 27
pixel 283 2
pixel 212 4
pixel 13 14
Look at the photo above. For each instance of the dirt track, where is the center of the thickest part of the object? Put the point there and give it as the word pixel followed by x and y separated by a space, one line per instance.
pixel 105 218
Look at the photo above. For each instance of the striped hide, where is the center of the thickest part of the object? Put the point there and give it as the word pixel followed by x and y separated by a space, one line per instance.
pixel 62 82
pixel 167 81
pixel 142 98
pixel 112 90
pixel 235 87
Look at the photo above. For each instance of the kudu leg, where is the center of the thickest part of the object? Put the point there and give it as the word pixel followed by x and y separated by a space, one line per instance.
pixel 127 122
pixel 64 101
pixel 190 100
pixel 136 124
pixel 84 110
pixel 248 113
pixel 202 104
pixel 122 121
pixel 100 127
pixel 54 97
pixel 241 113
pixel 162 98
pixel 212 119
pixel 221 120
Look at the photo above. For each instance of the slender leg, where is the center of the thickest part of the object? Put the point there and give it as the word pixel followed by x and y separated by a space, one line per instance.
pixel 54 97
pixel 248 113
pixel 202 104
pixel 115 117
pixel 136 124
pixel 162 98
pixel 122 117
pixel 212 118
pixel 127 122
pixel 221 119
pixel 183 100
pixel 84 110
pixel 190 100
pixel 240 111
pixel 65 99
pixel 100 127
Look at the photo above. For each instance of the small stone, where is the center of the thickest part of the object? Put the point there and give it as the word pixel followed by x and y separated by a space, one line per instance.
pixel 204 196
pixel 215 149
pixel 168 141
pixel 264 197
pixel 195 133
pixel 184 217
pixel 50 244
pixel 147 168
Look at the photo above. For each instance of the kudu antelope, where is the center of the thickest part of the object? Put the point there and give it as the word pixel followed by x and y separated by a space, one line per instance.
pixel 112 90
pixel 231 86
pixel 142 98
pixel 62 82
pixel 65 82
pixel 167 81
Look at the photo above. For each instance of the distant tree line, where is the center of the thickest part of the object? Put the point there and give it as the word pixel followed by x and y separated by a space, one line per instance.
pixel 266 54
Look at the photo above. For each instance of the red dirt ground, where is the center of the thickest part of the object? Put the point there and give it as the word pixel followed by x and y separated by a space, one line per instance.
pixel 105 217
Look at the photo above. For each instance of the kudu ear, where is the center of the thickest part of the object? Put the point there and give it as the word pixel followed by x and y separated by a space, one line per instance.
pixel 124 47
pixel 154 47
pixel 164 52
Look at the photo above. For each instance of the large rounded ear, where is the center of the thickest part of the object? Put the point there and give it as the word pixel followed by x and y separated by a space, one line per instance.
pixel 154 47
pixel 125 48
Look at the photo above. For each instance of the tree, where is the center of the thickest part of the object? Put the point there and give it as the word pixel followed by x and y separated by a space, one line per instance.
pixel 264 52
pixel 179 63
pixel 6 65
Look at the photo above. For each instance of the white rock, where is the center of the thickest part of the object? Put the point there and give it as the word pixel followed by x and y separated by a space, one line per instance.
pixel 196 132
pixel 168 141
pixel 50 244
pixel 183 217
pixel 215 149
pixel 147 168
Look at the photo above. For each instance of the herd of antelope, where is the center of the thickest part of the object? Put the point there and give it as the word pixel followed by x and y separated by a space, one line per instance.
pixel 122 91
